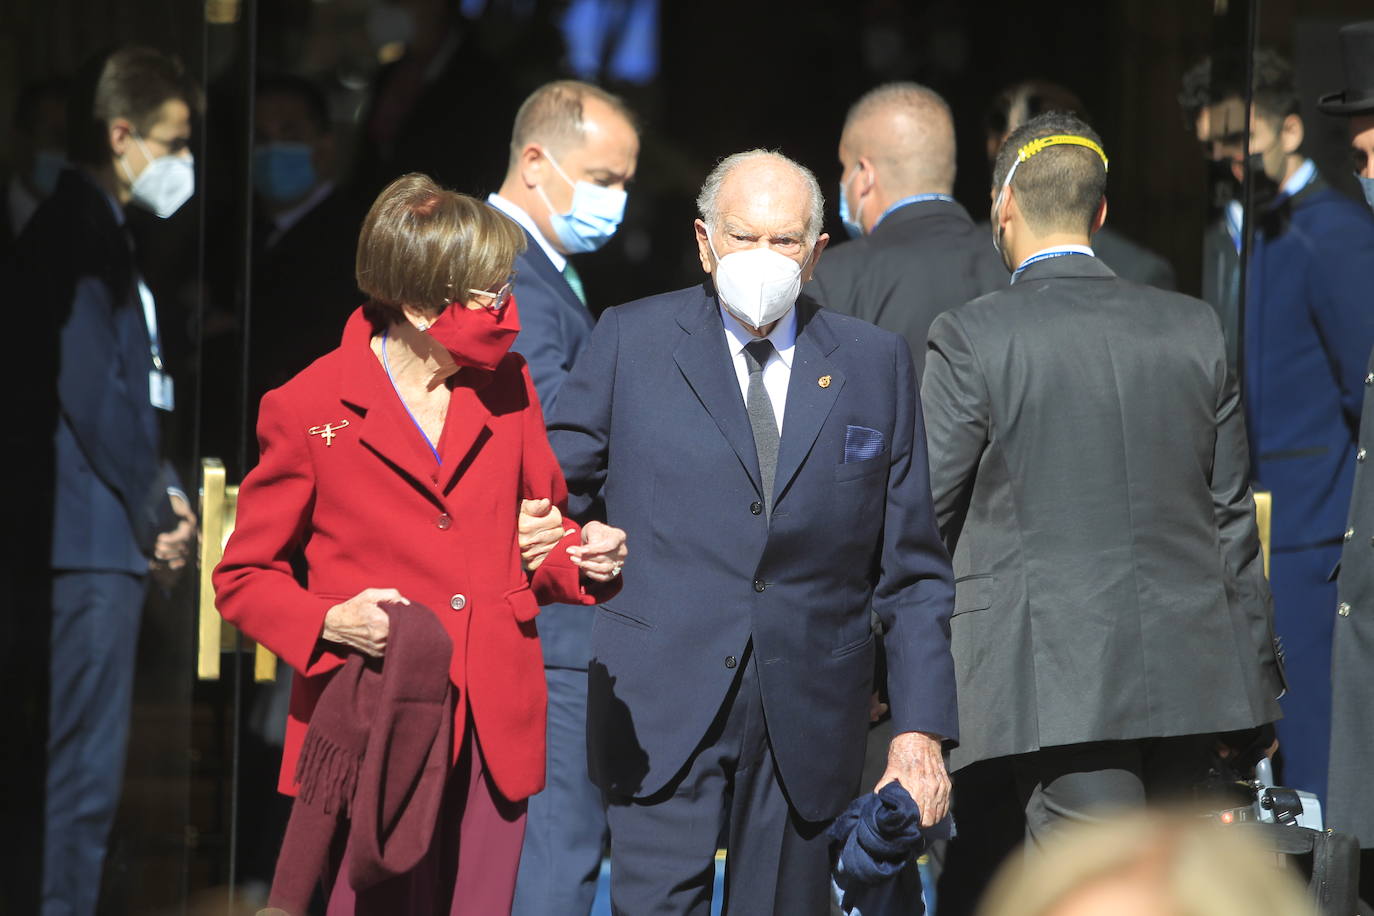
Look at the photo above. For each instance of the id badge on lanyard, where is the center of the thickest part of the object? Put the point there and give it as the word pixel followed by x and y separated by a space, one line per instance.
pixel 161 393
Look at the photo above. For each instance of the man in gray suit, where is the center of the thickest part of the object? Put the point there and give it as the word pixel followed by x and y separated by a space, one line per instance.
pixel 1088 465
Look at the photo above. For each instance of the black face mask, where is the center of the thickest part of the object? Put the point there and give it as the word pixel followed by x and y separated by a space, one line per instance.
pixel 1225 187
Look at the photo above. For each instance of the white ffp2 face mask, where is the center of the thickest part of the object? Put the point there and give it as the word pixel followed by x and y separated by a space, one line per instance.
pixel 757 285
pixel 165 183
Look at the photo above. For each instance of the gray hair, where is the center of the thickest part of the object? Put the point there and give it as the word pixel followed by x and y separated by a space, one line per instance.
pixel 710 190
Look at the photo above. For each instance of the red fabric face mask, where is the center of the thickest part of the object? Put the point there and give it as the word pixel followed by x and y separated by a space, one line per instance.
pixel 479 338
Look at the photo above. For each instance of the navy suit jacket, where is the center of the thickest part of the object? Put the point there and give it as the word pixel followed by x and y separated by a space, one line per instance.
pixel 554 328
pixel 652 419
pixel 74 268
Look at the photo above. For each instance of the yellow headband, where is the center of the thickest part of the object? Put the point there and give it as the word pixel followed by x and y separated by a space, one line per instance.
pixel 1040 143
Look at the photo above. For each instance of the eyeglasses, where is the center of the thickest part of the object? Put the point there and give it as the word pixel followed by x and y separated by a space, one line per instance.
pixel 494 302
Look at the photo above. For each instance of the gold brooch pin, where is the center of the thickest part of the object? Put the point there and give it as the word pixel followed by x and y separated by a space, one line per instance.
pixel 327 431
pixel 823 381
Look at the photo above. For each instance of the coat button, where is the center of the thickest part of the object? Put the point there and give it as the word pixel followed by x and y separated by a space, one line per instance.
pixel 759 585
pixel 1349 533
pixel 1369 379
pixel 1362 454
pixel 1343 609
pixel 458 602
pixel 756 507
pixel 730 661
pixel 443 522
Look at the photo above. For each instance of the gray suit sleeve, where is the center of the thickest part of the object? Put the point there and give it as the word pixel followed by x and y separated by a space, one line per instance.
pixel 954 397
pixel 1234 505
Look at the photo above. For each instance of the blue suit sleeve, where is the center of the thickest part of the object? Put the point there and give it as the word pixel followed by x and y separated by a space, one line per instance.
pixel 542 340
pixel 100 408
pixel 580 426
pixel 1342 305
pixel 915 592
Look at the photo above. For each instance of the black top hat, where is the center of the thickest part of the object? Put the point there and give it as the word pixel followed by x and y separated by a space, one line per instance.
pixel 1357 47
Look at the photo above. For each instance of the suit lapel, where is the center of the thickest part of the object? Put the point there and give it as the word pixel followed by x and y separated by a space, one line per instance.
pixel 537 262
pixel 464 426
pixel 704 361
pixel 811 392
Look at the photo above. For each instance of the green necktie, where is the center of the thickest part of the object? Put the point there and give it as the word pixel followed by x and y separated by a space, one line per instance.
pixel 574 281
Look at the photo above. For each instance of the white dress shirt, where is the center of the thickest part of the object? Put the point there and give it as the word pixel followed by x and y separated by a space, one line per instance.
pixel 777 372
pixel 520 216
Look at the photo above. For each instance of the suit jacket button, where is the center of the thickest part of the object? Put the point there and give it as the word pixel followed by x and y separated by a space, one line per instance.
pixel 1362 454
pixel 1349 533
pixel 730 661
pixel 756 507
pixel 458 602
pixel 1343 609
pixel 443 522
pixel 1369 379
pixel 759 585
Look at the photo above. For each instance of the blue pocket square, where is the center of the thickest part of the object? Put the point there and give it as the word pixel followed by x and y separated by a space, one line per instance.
pixel 861 443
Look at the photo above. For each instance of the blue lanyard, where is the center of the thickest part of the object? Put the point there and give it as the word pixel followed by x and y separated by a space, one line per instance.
pixel 913 199
pixel 1043 256
pixel 423 435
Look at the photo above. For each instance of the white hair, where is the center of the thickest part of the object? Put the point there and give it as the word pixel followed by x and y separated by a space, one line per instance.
pixel 710 190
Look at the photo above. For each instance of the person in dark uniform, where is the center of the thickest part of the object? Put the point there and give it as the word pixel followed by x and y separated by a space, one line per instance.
pixel 915 251
pixel 1088 467
pixel 1352 645
pixel 1017 104
pixel 1309 327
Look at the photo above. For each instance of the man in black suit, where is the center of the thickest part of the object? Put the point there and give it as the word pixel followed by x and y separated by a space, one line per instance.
pixel 1088 465
pixel 915 251
pixel 117 515
pixel 573 149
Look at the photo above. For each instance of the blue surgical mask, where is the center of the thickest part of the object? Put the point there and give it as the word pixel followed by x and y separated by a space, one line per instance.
pixel 283 172
pixel 1367 186
pixel 851 224
pixel 47 166
pixel 595 215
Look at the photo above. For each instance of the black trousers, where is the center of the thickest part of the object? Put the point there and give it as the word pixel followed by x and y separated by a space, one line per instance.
pixel 663 847
pixel 1085 782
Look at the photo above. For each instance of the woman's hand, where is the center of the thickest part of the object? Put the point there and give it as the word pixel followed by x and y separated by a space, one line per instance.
pixel 602 553
pixel 539 530
pixel 361 622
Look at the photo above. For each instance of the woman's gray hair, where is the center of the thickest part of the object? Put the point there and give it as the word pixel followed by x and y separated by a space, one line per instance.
pixel 710 190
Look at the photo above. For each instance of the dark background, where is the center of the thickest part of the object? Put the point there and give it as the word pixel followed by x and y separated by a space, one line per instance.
pixel 728 75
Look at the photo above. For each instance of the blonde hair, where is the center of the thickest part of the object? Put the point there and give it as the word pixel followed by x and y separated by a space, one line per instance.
pixel 424 246
pixel 1183 864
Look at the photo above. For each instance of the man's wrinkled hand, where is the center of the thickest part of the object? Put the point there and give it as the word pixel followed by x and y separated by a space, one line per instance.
pixel 602 553
pixel 914 759
pixel 361 622
pixel 539 530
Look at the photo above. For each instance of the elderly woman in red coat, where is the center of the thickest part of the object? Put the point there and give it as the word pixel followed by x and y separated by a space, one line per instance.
pixel 396 466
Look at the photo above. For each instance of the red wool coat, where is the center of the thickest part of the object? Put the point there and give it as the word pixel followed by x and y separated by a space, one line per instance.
pixel 347 478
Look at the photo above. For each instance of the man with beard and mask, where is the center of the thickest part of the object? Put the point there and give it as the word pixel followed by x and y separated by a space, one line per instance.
pixel 768 457
pixel 1352 717
pixel 1308 330
pixel 915 252
pixel 573 149
pixel 1088 470
pixel 117 514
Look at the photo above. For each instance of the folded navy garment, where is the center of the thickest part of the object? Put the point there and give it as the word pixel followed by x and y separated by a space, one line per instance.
pixel 881 832
pixel 861 443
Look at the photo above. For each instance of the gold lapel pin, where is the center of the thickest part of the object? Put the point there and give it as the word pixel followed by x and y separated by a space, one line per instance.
pixel 823 381
pixel 327 431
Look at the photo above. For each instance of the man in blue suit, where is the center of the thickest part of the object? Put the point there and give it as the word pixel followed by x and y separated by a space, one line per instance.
pixel 1308 330
pixel 573 149
pixel 117 513
pixel 768 459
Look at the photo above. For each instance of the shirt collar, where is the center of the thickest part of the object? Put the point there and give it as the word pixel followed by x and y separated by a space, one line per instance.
pixel 517 213
pixel 913 199
pixel 1302 176
pixel 1055 249
pixel 783 336
pixel 282 222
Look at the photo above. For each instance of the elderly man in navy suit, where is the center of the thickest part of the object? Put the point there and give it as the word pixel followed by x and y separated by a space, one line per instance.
pixel 769 460
pixel 573 148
